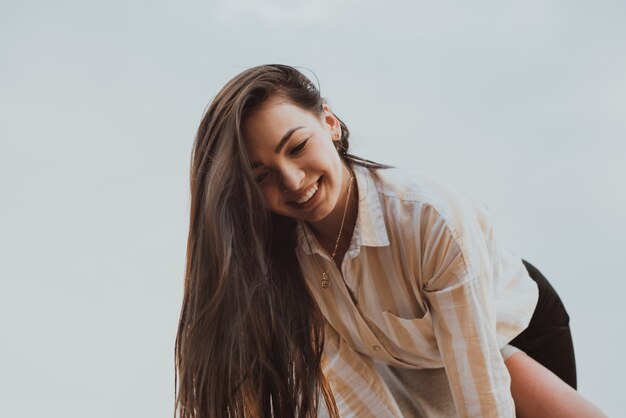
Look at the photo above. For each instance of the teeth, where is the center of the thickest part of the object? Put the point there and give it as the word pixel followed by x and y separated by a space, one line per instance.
pixel 307 195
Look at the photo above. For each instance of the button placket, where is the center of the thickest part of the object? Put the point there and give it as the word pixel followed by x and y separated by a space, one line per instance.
pixel 368 337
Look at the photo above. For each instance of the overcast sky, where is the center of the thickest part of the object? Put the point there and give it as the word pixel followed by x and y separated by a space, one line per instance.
pixel 521 104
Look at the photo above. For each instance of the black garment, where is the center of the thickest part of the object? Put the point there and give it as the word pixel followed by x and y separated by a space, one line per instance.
pixel 548 338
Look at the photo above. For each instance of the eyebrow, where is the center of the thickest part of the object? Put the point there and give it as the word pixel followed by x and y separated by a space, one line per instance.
pixel 280 145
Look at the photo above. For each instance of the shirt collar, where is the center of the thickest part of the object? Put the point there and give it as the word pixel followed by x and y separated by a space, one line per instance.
pixel 370 229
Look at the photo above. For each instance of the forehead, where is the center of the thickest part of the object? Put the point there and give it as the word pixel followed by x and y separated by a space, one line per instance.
pixel 273 119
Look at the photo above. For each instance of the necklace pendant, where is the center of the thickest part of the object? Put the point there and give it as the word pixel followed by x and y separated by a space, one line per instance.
pixel 325 281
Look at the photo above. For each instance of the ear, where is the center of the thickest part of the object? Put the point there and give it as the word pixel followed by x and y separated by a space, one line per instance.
pixel 331 123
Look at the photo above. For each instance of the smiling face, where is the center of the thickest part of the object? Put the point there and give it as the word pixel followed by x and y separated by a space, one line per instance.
pixel 295 161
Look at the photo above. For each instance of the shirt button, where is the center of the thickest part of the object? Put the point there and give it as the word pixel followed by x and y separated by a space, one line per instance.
pixel 376 347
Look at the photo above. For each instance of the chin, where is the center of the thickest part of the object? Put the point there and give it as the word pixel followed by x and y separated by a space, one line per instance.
pixel 317 216
pixel 313 219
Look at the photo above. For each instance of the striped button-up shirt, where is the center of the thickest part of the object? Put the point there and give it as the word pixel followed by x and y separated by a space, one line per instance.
pixel 424 284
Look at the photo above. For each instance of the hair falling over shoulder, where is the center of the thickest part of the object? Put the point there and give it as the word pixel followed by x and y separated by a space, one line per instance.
pixel 250 337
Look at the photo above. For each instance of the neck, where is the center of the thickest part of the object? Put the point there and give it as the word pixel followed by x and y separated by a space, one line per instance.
pixel 327 230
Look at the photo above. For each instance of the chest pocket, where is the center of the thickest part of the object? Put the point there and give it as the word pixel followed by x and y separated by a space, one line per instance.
pixel 413 339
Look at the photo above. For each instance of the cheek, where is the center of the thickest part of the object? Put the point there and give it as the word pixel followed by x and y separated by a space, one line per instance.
pixel 335 159
pixel 271 197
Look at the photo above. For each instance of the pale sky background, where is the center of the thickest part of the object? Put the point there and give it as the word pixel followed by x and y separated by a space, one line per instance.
pixel 521 104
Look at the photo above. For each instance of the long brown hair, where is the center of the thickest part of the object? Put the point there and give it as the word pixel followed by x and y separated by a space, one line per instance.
pixel 250 336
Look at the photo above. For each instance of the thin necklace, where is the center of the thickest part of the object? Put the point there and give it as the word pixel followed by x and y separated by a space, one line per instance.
pixel 325 282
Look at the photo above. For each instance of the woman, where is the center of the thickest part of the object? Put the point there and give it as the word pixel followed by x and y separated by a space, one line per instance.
pixel 315 273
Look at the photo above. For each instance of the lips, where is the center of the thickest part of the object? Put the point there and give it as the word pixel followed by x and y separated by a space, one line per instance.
pixel 308 197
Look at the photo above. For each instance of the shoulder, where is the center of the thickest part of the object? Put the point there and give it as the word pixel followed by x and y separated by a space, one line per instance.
pixel 420 189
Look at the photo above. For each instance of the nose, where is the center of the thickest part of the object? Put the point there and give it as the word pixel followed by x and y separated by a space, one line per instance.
pixel 291 178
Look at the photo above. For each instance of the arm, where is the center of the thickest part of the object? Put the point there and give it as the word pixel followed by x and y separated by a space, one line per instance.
pixel 540 393
pixel 358 389
pixel 479 380
pixel 458 285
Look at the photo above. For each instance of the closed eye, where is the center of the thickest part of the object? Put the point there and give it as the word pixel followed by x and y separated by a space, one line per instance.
pixel 259 179
pixel 298 148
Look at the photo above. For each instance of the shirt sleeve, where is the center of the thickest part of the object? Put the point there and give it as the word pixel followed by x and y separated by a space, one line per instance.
pixel 458 248
pixel 357 387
